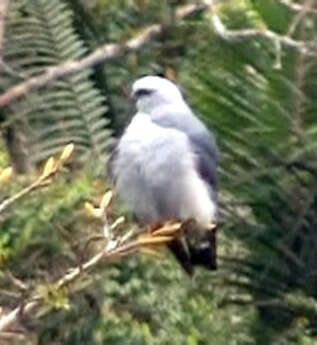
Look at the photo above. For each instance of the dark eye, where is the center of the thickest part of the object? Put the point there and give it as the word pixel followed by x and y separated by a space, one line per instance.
pixel 143 92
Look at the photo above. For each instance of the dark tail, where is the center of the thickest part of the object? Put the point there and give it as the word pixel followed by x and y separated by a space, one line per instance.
pixel 205 253
pixel 202 254
pixel 182 255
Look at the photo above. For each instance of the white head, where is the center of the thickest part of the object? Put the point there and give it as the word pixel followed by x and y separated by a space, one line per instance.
pixel 152 91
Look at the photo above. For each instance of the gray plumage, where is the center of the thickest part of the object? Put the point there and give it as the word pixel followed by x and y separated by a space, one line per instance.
pixel 164 167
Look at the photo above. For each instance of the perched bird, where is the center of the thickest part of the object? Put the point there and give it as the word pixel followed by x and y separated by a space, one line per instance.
pixel 164 168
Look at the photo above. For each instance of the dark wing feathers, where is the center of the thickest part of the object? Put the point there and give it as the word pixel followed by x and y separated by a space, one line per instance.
pixel 204 147
pixel 207 154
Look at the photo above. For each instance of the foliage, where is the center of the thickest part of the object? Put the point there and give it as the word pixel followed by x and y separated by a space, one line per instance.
pixel 119 305
pixel 258 98
pixel 142 301
pixel 264 118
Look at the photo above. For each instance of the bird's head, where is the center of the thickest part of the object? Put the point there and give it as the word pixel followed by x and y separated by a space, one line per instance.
pixel 152 91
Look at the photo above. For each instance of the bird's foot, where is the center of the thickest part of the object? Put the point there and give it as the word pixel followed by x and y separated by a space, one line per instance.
pixel 168 228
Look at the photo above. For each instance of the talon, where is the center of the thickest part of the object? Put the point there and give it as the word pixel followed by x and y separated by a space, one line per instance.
pixel 169 228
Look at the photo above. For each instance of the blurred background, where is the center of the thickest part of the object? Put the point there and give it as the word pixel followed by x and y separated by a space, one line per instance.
pixel 256 90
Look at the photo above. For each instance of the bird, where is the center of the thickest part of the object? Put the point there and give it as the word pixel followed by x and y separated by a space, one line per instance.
pixel 164 168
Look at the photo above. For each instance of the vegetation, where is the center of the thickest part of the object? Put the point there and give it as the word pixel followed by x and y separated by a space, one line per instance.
pixel 249 69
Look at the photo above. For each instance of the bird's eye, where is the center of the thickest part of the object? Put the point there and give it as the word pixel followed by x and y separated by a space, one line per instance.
pixel 143 92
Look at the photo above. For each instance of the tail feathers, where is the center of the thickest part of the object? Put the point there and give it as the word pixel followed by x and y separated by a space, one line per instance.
pixel 182 255
pixel 204 254
pixel 199 254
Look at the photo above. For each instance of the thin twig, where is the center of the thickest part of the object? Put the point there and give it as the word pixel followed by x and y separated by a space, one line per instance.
pixel 308 48
pixel 101 55
pixel 13 318
pixel 299 16
pixel 8 202
pixel 51 168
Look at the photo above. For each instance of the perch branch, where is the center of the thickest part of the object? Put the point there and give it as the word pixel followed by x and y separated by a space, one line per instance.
pixel 101 55
pixel 119 248
pixel 116 246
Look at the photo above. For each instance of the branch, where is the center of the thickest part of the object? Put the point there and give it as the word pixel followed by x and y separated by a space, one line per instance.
pixel 118 247
pixel 51 168
pixel 308 48
pixel 101 55
pixel 4 4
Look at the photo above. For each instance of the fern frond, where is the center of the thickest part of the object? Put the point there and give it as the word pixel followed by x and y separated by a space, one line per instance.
pixel 40 34
pixel 266 131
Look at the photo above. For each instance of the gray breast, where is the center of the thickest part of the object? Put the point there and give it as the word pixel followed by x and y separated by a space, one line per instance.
pixel 152 175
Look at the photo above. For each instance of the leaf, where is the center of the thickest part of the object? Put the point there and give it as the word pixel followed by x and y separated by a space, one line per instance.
pixel 67 152
pixel 92 211
pixel 6 175
pixel 49 167
pixel 106 199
